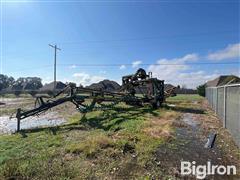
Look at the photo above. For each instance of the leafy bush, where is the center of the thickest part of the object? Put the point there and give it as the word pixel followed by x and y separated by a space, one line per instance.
pixel 201 90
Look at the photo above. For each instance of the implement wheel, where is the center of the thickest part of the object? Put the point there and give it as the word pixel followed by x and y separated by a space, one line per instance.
pixel 156 104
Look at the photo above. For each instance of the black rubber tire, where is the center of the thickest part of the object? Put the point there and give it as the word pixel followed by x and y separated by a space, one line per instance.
pixel 156 104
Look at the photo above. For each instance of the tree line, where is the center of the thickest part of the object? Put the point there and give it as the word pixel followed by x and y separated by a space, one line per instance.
pixel 9 84
pixel 32 84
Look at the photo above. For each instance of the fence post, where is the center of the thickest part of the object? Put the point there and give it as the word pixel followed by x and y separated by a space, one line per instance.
pixel 211 97
pixel 216 105
pixel 224 107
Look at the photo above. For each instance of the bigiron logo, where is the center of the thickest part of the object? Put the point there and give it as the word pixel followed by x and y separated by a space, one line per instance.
pixel 201 171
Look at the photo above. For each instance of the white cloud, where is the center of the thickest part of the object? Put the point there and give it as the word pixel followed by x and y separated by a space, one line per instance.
pixel 194 79
pixel 231 51
pixel 72 66
pixel 168 72
pixel 122 67
pixel 180 74
pixel 86 79
pixel 136 63
pixel 47 80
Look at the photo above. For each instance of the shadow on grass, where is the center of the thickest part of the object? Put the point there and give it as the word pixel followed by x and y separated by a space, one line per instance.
pixel 55 129
pixel 114 116
pixel 111 119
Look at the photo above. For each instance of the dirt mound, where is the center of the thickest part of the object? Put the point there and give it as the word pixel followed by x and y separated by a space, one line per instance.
pixel 106 85
pixel 50 86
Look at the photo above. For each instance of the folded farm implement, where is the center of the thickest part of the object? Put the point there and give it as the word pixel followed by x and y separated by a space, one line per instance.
pixel 136 90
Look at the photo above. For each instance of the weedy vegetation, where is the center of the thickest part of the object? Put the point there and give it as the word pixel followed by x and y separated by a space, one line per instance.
pixel 115 143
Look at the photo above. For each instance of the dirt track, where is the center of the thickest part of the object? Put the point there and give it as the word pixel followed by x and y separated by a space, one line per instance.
pixel 189 142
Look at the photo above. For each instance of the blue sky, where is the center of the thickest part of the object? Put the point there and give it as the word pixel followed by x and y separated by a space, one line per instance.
pixel 125 33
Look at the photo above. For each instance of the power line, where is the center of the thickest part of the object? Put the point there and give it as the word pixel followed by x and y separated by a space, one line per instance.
pixel 158 64
pixel 117 65
pixel 55 61
pixel 149 38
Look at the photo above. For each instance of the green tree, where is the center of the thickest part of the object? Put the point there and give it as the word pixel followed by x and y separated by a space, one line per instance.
pixel 32 85
pixel 18 86
pixel 201 90
pixel 5 81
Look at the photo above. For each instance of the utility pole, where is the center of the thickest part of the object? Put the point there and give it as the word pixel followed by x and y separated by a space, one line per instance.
pixel 55 61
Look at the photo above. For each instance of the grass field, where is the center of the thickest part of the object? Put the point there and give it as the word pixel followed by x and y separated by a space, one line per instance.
pixel 183 97
pixel 117 143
